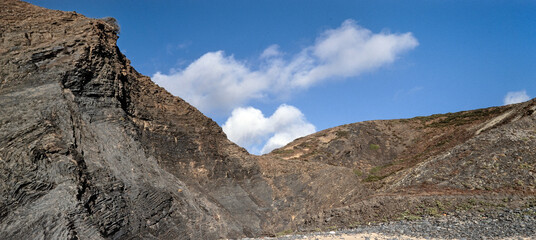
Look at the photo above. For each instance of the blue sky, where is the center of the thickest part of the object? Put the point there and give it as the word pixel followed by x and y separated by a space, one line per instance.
pixel 270 71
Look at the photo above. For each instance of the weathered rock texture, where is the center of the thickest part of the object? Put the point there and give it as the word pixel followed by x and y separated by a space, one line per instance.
pixel 91 149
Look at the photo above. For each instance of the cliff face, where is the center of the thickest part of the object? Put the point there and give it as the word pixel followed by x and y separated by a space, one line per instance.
pixel 91 149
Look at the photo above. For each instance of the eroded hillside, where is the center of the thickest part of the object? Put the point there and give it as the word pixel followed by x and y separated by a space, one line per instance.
pixel 411 167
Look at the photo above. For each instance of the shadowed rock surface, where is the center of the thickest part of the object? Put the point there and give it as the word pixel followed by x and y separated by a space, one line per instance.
pixel 91 149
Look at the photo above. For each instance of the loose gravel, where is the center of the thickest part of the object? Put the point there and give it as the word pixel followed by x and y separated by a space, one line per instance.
pixel 499 224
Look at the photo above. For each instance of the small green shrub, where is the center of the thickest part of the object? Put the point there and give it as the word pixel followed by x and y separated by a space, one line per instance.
pixel 407 215
pixel 432 211
pixel 376 169
pixel 440 205
pixel 358 173
pixel 374 146
pixel 283 233
pixel 464 206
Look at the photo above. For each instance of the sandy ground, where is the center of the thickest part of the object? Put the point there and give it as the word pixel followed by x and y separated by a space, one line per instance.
pixel 374 236
pixel 360 236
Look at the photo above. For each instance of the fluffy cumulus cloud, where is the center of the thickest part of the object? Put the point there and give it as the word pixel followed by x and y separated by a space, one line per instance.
pixel 348 51
pixel 516 97
pixel 214 82
pixel 248 127
pixel 218 83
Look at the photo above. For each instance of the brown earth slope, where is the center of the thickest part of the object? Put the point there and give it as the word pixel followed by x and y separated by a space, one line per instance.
pixel 472 160
pixel 91 149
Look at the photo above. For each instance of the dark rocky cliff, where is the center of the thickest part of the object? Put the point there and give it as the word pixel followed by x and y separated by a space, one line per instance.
pixel 91 149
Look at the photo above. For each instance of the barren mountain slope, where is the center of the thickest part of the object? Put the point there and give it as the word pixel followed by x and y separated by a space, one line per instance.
pixel 426 165
pixel 91 149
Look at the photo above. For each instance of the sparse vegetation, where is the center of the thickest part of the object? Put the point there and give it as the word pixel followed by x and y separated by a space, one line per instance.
pixel 331 228
pixel 526 166
pixel 374 146
pixel 470 204
pixel 283 233
pixel 342 133
pixel 432 211
pixel 373 178
pixel 407 215
pixel 458 119
pixel 440 205
pixel 376 169
pixel 358 172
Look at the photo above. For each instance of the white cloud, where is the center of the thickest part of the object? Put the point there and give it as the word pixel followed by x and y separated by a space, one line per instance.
pixel 214 82
pixel 219 83
pixel 249 128
pixel 271 51
pixel 516 97
pixel 349 51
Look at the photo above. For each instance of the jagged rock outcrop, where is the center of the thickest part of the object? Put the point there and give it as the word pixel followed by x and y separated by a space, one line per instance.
pixel 91 149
